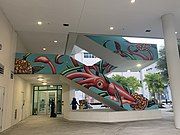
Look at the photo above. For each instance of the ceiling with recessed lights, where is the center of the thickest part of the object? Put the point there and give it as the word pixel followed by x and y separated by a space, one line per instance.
pixel 85 16
pixel 49 79
pixel 36 41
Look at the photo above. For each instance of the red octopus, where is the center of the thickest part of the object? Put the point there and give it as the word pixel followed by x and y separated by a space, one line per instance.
pixel 116 92
pixel 45 60
pixel 88 79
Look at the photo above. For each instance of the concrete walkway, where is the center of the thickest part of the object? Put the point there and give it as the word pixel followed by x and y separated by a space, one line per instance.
pixel 43 125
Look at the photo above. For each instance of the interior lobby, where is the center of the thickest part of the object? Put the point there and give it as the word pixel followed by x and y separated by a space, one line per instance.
pixel 41 69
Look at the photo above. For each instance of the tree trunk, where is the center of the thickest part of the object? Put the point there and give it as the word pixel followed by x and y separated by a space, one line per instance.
pixel 160 98
pixel 156 96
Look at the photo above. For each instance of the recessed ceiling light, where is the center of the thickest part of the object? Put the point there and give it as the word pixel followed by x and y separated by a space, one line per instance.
pixel 44 83
pixel 148 31
pixel 138 65
pixel 111 28
pixel 133 1
pixel 44 49
pixel 39 23
pixel 66 24
pixel 51 86
pixel 40 79
pixel 55 41
pixel 176 32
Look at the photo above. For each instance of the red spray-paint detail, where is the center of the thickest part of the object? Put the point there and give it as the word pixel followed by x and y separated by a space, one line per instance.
pixel 74 61
pixel 90 80
pixel 122 92
pixel 118 49
pixel 135 52
pixel 45 60
pixel 78 75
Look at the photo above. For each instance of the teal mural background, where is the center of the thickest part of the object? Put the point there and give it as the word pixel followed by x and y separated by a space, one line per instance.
pixel 91 77
pixel 109 43
pixel 65 59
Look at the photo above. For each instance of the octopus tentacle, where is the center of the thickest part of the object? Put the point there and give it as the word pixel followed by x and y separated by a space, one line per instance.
pixel 89 80
pixel 78 75
pixel 138 54
pixel 87 70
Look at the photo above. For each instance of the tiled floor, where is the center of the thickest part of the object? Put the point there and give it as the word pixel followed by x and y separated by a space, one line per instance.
pixel 43 125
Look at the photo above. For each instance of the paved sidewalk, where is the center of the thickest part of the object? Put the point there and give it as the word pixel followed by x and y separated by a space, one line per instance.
pixel 43 125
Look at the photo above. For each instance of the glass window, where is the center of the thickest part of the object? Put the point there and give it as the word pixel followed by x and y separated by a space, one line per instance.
pixel 42 97
pixel 59 101
pixel 35 88
pixel 35 103
pixel 43 88
pixel 59 87
pixel 53 87
pixel 88 55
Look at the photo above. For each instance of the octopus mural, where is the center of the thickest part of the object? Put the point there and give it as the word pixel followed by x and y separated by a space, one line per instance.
pixel 91 77
pixel 22 66
pixel 125 49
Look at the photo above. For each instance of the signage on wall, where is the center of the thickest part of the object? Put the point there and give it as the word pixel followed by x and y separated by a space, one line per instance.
pixel 12 74
pixel 0 46
pixel 1 69
pixel 15 114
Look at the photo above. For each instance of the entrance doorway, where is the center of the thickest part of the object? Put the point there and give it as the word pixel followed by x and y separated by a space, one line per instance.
pixel 1 105
pixel 43 96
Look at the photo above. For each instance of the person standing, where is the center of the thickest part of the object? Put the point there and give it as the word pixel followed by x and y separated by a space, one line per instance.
pixel 74 104
pixel 53 114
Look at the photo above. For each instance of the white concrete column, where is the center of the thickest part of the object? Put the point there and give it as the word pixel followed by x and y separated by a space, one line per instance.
pixel 67 94
pixel 173 62
pixel 65 99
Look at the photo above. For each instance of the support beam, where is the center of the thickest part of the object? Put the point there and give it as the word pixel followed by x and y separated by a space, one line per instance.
pixel 71 41
pixel 173 62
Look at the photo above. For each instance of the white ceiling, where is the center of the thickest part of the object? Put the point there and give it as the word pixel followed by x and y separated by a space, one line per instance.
pixel 50 79
pixel 85 16
pixel 35 41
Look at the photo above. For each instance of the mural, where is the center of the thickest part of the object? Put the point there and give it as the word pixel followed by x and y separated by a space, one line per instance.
pixel 91 77
pixel 125 49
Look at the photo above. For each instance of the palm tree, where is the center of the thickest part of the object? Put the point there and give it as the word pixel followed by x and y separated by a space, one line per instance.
pixel 155 84
pixel 132 84
pixel 162 65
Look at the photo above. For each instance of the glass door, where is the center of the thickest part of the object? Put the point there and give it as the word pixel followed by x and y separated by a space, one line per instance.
pixel 42 102
pixel 45 99
pixel 42 98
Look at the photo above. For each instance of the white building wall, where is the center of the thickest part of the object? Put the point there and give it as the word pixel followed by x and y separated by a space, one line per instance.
pixel 20 46
pixel 22 100
pixel 67 94
pixel 8 39
pixel 87 61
